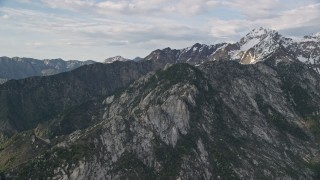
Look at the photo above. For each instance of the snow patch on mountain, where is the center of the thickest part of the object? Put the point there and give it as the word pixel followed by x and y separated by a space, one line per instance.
pixel 116 58
pixel 250 44
pixel 303 59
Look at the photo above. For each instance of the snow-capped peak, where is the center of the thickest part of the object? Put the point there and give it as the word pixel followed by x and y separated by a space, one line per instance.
pixel 257 35
pixel 116 58
pixel 261 31
pixel 257 45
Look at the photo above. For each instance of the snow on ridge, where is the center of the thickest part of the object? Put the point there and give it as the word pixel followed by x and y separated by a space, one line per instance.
pixel 302 59
pixel 249 44
pixel 256 46
pixel 195 49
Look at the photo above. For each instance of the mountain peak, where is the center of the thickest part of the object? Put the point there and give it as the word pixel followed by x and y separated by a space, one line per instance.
pixel 256 36
pixel 198 45
pixel 261 30
pixel 260 33
pixel 167 49
pixel 115 58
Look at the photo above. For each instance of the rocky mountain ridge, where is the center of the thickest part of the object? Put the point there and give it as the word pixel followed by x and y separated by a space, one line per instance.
pixel 162 119
pixel 219 120
pixel 256 46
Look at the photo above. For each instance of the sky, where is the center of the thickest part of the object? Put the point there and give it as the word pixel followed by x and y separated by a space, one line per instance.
pixel 98 29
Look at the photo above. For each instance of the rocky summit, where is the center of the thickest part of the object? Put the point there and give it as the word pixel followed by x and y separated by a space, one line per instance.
pixel 205 112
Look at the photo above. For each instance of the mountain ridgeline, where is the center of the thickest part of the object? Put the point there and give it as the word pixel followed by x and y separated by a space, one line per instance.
pixel 18 68
pixel 248 110
pixel 256 46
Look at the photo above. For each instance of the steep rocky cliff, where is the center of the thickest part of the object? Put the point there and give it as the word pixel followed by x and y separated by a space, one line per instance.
pixel 219 120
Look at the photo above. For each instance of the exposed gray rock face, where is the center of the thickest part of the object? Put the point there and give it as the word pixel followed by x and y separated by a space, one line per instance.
pixel 18 68
pixel 30 101
pixel 221 120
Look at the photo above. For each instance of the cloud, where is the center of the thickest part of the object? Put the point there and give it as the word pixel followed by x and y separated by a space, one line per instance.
pixel 35 44
pixel 69 4
pixel 191 7
pixel 103 31
pixel 5 16
pixel 128 7
pixel 298 18
pixel 133 7
pixel 254 9
pixel 25 1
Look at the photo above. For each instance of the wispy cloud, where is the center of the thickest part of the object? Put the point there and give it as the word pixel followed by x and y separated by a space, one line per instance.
pixel 305 16
pixel 102 28
pixel 35 44
pixel 5 16
pixel 70 4
pixel 254 9
pixel 25 1
pixel 184 7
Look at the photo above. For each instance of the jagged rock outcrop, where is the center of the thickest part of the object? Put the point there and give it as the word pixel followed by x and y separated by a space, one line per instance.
pixel 220 120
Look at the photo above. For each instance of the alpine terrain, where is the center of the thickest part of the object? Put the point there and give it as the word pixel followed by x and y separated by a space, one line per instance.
pixel 247 110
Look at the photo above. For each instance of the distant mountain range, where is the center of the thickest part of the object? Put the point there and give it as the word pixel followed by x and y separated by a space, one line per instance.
pixel 247 110
pixel 18 68
pixel 256 46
